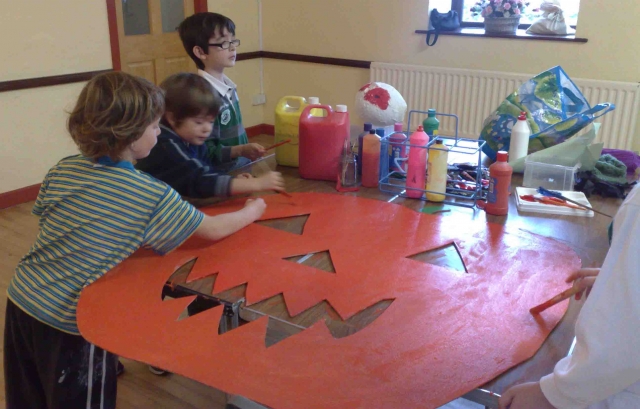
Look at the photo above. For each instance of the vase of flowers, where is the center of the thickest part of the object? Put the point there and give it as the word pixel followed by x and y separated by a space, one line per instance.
pixel 500 16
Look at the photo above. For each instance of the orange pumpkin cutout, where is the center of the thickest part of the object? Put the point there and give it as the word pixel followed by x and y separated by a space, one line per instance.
pixel 444 333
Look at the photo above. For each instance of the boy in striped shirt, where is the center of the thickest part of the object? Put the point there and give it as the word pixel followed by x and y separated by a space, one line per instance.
pixel 95 210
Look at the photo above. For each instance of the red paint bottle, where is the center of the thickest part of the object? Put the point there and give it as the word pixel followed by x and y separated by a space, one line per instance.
pixel 499 186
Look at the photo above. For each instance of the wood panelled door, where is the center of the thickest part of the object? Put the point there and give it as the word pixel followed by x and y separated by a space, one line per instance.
pixel 148 39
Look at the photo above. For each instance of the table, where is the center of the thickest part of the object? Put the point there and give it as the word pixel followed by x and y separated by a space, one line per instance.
pixel 587 236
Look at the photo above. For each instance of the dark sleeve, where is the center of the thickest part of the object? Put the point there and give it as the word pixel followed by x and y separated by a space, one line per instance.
pixel 189 176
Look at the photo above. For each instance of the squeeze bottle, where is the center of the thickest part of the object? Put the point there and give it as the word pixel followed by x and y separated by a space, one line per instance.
pixel 519 143
pixel 370 159
pixel 437 171
pixel 431 123
pixel 397 151
pixel 367 128
pixel 417 163
pixel 499 186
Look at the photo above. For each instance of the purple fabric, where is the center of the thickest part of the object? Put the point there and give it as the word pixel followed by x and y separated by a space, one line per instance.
pixel 631 159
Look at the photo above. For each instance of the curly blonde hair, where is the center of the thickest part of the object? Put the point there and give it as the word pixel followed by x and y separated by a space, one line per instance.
pixel 112 112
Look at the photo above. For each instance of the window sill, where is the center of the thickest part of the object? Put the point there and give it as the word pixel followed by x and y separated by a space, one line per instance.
pixel 520 35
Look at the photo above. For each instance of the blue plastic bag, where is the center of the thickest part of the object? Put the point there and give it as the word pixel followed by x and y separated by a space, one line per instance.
pixel 556 110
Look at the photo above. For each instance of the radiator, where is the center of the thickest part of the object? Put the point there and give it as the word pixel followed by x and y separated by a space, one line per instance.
pixel 472 95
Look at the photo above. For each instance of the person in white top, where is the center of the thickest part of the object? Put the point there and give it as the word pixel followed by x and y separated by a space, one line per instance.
pixel 604 370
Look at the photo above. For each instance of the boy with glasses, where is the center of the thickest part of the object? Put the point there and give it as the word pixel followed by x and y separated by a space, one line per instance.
pixel 209 39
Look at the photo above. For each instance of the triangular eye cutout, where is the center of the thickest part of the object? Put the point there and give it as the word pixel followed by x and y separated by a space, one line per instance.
pixel 320 260
pixel 293 224
pixel 447 256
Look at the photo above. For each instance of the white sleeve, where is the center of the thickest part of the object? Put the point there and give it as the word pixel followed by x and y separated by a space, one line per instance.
pixel 605 360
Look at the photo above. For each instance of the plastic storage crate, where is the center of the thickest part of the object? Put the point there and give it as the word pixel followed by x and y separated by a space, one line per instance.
pixel 549 176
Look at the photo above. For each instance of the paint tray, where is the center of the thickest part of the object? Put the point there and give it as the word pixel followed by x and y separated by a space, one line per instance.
pixel 535 207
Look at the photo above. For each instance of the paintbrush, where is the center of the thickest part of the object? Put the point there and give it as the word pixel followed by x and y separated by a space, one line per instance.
pixel 277 144
pixel 558 298
pixel 551 193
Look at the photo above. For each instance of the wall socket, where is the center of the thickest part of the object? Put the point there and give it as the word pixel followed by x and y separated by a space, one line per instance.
pixel 259 99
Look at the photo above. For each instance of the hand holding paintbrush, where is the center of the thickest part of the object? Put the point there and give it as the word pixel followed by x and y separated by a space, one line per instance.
pixel 582 279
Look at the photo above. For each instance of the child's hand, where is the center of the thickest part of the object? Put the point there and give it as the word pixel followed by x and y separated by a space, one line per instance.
pixel 525 396
pixel 256 207
pixel 271 181
pixel 252 151
pixel 584 280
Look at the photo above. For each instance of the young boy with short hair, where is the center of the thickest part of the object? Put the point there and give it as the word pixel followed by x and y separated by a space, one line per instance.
pixel 209 39
pixel 95 210
pixel 180 158
pixel 603 372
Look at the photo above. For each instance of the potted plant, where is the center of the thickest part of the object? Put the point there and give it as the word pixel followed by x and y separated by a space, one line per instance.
pixel 500 16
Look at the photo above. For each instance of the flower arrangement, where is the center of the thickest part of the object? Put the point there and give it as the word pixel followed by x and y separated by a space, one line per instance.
pixel 499 8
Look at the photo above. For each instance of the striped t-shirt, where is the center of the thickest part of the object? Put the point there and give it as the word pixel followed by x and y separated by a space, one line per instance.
pixel 92 217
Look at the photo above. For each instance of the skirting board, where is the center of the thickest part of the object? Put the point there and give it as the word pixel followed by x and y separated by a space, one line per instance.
pixel 29 193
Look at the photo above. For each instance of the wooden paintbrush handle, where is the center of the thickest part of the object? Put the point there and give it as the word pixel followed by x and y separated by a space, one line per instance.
pixel 558 298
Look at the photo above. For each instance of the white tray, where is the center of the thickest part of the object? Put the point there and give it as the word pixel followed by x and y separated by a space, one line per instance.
pixel 535 207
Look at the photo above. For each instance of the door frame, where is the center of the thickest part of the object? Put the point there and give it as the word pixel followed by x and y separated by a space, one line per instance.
pixel 199 6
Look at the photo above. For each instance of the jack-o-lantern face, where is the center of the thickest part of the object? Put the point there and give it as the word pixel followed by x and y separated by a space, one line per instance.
pixel 443 333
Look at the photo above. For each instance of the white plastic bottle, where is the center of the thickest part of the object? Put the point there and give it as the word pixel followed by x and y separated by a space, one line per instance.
pixel 520 133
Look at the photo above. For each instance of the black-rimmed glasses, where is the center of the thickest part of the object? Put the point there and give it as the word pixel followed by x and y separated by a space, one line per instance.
pixel 226 44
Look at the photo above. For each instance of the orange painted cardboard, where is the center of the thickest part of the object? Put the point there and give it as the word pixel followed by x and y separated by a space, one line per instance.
pixel 445 333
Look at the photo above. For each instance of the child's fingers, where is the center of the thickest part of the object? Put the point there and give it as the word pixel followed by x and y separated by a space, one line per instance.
pixel 582 273
pixel 505 400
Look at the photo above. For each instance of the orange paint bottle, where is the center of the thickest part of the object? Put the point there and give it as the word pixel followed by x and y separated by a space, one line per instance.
pixel 499 186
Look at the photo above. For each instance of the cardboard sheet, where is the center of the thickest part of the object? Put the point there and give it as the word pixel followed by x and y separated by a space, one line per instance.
pixel 445 332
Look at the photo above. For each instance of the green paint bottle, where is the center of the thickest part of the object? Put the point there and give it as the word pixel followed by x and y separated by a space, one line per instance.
pixel 431 124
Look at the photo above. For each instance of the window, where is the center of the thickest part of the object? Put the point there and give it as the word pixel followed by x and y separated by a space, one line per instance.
pixel 532 12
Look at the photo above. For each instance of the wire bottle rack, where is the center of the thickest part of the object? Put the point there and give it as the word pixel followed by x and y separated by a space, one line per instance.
pixel 394 181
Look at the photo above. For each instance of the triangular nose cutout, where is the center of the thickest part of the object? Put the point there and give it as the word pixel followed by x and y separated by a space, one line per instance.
pixel 447 256
pixel 320 260
pixel 294 225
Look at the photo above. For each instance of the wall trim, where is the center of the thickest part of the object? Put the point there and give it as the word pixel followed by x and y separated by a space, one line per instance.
pixel 342 62
pixel 49 81
pixel 19 196
pixel 27 83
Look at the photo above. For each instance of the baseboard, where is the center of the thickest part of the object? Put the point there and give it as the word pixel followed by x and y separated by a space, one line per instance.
pixel 262 129
pixel 19 196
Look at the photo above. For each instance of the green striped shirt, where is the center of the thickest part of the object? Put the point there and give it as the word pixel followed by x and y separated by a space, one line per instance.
pixel 92 217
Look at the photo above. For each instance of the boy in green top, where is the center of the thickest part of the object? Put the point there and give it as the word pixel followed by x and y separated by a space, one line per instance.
pixel 209 39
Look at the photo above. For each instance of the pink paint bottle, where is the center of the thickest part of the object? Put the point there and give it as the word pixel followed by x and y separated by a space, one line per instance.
pixel 499 186
pixel 417 163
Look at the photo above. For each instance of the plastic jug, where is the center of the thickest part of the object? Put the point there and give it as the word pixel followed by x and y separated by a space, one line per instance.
pixel 287 127
pixel 371 159
pixel 437 171
pixel 417 163
pixel 499 186
pixel 321 142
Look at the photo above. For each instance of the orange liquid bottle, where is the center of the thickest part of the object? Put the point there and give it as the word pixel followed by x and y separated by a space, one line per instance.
pixel 370 159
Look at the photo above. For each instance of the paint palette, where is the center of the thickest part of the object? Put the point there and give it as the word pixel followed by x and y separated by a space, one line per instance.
pixel 536 207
